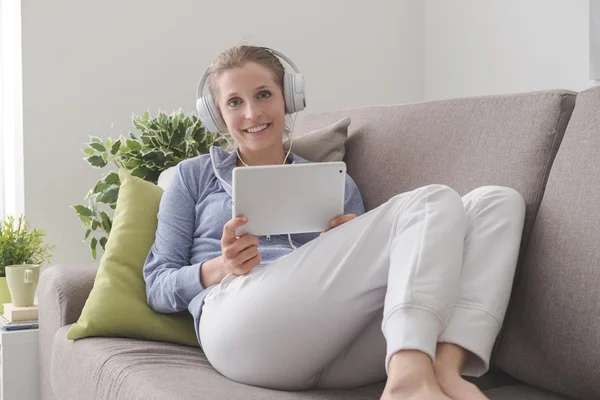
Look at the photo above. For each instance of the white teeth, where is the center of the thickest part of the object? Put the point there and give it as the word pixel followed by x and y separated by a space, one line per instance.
pixel 257 129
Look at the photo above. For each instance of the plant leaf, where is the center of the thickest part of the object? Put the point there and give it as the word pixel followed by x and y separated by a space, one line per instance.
pixel 112 178
pixel 106 223
pixel 133 144
pixel 96 161
pixel 140 171
pixel 103 241
pixel 100 187
pixel 93 244
pixel 109 196
pixel 83 210
pixel 132 163
pixel 115 147
pixel 141 125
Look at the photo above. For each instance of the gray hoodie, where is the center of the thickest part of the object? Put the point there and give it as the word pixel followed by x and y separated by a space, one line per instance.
pixel 193 209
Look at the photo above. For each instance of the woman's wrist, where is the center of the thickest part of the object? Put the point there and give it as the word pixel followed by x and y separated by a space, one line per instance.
pixel 211 272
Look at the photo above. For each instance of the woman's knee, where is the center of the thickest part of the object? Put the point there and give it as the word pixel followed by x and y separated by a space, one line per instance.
pixel 507 197
pixel 444 194
pixel 446 197
pixel 443 190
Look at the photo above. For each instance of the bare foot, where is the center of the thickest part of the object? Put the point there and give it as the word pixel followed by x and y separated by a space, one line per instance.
pixel 449 361
pixel 411 377
pixel 457 388
pixel 423 393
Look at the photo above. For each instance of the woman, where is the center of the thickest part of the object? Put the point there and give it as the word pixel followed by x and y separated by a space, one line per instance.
pixel 415 289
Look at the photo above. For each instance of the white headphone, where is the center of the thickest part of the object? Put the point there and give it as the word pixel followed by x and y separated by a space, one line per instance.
pixel 293 93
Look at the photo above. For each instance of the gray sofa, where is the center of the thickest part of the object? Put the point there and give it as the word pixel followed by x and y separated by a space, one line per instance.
pixel 544 144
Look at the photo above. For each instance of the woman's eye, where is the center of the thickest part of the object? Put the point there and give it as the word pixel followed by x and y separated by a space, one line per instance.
pixel 232 103
pixel 265 94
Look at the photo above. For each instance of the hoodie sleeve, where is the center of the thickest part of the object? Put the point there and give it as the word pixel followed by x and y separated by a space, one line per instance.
pixel 353 203
pixel 171 282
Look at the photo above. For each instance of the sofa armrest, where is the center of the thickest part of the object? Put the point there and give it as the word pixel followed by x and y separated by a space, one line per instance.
pixel 62 293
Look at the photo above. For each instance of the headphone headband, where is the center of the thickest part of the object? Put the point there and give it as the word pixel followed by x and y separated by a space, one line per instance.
pixel 272 51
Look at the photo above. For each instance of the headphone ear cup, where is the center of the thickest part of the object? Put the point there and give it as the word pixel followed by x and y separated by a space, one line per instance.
pixel 209 115
pixel 293 92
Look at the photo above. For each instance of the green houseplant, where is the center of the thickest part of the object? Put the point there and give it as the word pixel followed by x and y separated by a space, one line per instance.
pixel 19 244
pixel 162 142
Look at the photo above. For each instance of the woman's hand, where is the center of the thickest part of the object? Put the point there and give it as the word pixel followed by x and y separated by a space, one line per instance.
pixel 238 255
pixel 339 220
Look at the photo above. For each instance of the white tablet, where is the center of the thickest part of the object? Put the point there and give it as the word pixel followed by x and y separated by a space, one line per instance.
pixel 290 198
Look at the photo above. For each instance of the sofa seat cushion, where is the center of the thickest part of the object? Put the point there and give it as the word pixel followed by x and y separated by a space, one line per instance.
pixel 522 392
pixel 104 368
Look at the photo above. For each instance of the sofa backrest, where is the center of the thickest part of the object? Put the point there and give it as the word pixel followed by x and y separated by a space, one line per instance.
pixel 508 140
pixel 552 330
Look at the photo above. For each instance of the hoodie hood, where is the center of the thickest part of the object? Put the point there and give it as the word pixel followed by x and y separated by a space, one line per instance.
pixel 224 162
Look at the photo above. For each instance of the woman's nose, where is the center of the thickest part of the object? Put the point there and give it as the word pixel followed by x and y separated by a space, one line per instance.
pixel 252 110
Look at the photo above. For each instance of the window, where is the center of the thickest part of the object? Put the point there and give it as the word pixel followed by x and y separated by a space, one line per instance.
pixel 11 110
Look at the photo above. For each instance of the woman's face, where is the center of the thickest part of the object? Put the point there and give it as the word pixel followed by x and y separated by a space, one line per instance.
pixel 252 106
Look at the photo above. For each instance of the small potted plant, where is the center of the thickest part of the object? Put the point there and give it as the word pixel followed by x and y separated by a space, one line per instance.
pixel 19 245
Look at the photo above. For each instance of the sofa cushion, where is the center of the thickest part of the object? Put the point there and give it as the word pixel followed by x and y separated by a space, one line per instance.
pixel 507 140
pixel 522 392
pixel 552 330
pixel 130 369
pixel 324 144
pixel 117 304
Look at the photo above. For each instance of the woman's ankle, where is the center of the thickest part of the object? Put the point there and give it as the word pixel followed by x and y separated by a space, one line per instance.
pixel 410 368
pixel 449 359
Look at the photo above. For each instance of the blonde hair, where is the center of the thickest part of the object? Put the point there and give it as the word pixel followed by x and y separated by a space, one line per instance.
pixel 237 57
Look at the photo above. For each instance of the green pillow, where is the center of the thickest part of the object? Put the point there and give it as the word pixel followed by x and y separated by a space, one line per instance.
pixel 117 303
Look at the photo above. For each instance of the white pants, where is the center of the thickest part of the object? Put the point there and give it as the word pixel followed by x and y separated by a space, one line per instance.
pixel 422 268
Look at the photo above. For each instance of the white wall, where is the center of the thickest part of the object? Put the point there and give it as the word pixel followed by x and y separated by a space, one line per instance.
pixel 480 47
pixel 87 66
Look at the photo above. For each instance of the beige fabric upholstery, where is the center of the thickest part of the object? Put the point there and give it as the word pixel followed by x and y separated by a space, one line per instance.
pixel 129 369
pixel 522 392
pixel 62 291
pixel 552 337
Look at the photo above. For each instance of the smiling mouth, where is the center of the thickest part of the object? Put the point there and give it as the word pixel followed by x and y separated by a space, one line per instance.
pixel 258 129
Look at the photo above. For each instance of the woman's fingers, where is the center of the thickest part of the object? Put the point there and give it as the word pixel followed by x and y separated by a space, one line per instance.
pixel 247 260
pixel 339 220
pixel 229 229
